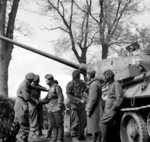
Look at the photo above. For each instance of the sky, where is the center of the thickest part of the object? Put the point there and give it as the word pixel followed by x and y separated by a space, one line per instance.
pixel 24 61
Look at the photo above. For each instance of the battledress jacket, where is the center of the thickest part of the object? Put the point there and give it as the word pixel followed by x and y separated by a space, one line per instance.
pixel 54 98
pixel 74 92
pixel 24 91
pixel 94 106
pixel 113 103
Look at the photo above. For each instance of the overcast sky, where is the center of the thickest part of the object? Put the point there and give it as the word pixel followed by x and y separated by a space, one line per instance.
pixel 24 61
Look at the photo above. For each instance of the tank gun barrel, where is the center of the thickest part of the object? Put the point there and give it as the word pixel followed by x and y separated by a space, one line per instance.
pixel 58 59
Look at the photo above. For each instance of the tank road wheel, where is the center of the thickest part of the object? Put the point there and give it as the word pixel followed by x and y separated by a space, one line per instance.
pixel 133 128
pixel 148 124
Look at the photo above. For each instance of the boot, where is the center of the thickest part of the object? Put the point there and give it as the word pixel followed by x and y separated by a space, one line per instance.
pixel 81 137
pixel 55 134
pixel 49 133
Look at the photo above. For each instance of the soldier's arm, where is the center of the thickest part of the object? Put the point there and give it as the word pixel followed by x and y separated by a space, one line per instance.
pixel 39 87
pixel 119 95
pixel 59 94
pixel 45 100
pixel 70 95
pixel 92 98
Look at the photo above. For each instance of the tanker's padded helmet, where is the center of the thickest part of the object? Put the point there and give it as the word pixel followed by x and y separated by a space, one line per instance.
pixel 37 77
pixel 30 76
pixel 108 74
pixel 49 76
pixel 75 74
pixel 91 72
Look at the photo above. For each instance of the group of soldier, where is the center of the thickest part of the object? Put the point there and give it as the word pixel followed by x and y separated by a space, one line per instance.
pixel 91 114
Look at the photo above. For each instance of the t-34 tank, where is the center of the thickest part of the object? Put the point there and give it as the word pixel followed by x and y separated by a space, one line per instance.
pixel 133 72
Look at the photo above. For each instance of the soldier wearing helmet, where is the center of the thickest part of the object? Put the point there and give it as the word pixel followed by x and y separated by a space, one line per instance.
pixel 54 101
pixel 112 104
pixel 74 90
pixel 21 106
pixel 36 111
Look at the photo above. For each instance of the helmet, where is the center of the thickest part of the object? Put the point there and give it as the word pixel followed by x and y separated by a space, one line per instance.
pixel 49 76
pixel 75 74
pixel 30 76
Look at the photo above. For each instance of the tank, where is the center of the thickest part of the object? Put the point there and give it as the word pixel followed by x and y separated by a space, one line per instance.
pixel 133 72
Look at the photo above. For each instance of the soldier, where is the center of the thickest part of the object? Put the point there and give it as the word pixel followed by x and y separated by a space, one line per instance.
pixel 21 106
pixel 94 107
pixel 55 101
pixel 74 90
pixel 112 104
pixel 50 128
pixel 36 111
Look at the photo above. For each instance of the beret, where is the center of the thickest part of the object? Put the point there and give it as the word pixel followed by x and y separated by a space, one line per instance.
pixel 30 76
pixel 37 77
pixel 91 72
pixel 75 74
pixel 49 76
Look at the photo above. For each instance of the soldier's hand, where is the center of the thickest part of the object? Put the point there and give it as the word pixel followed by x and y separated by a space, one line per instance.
pixel 59 106
pixel 82 101
pixel 88 113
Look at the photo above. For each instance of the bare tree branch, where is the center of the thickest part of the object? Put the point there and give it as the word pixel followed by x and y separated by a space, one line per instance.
pixel 62 8
pixel 79 7
pixel 118 18
pixel 86 28
pixel 50 29
pixel 71 14
pixel 90 5
pixel 92 39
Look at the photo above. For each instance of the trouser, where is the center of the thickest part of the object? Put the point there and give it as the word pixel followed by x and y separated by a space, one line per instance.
pixel 40 117
pixel 33 117
pixel 106 123
pixel 74 123
pixel 21 115
pixel 56 121
pixel 82 120
pixel 50 129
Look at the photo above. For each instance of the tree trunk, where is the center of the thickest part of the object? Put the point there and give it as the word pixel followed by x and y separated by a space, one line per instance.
pixel 6 48
pixel 105 47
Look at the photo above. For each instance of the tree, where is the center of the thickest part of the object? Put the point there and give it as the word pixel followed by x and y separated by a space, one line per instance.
pixel 111 19
pixel 6 29
pixel 77 29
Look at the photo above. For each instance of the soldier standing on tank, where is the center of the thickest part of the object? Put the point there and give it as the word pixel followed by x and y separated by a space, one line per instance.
pixel 36 111
pixel 21 106
pixel 112 104
pixel 94 108
pixel 74 90
pixel 55 100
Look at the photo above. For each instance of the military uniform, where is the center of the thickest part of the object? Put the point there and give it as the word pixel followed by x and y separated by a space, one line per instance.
pixel 112 104
pixel 21 107
pixel 36 111
pixel 94 107
pixel 55 100
pixel 74 90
